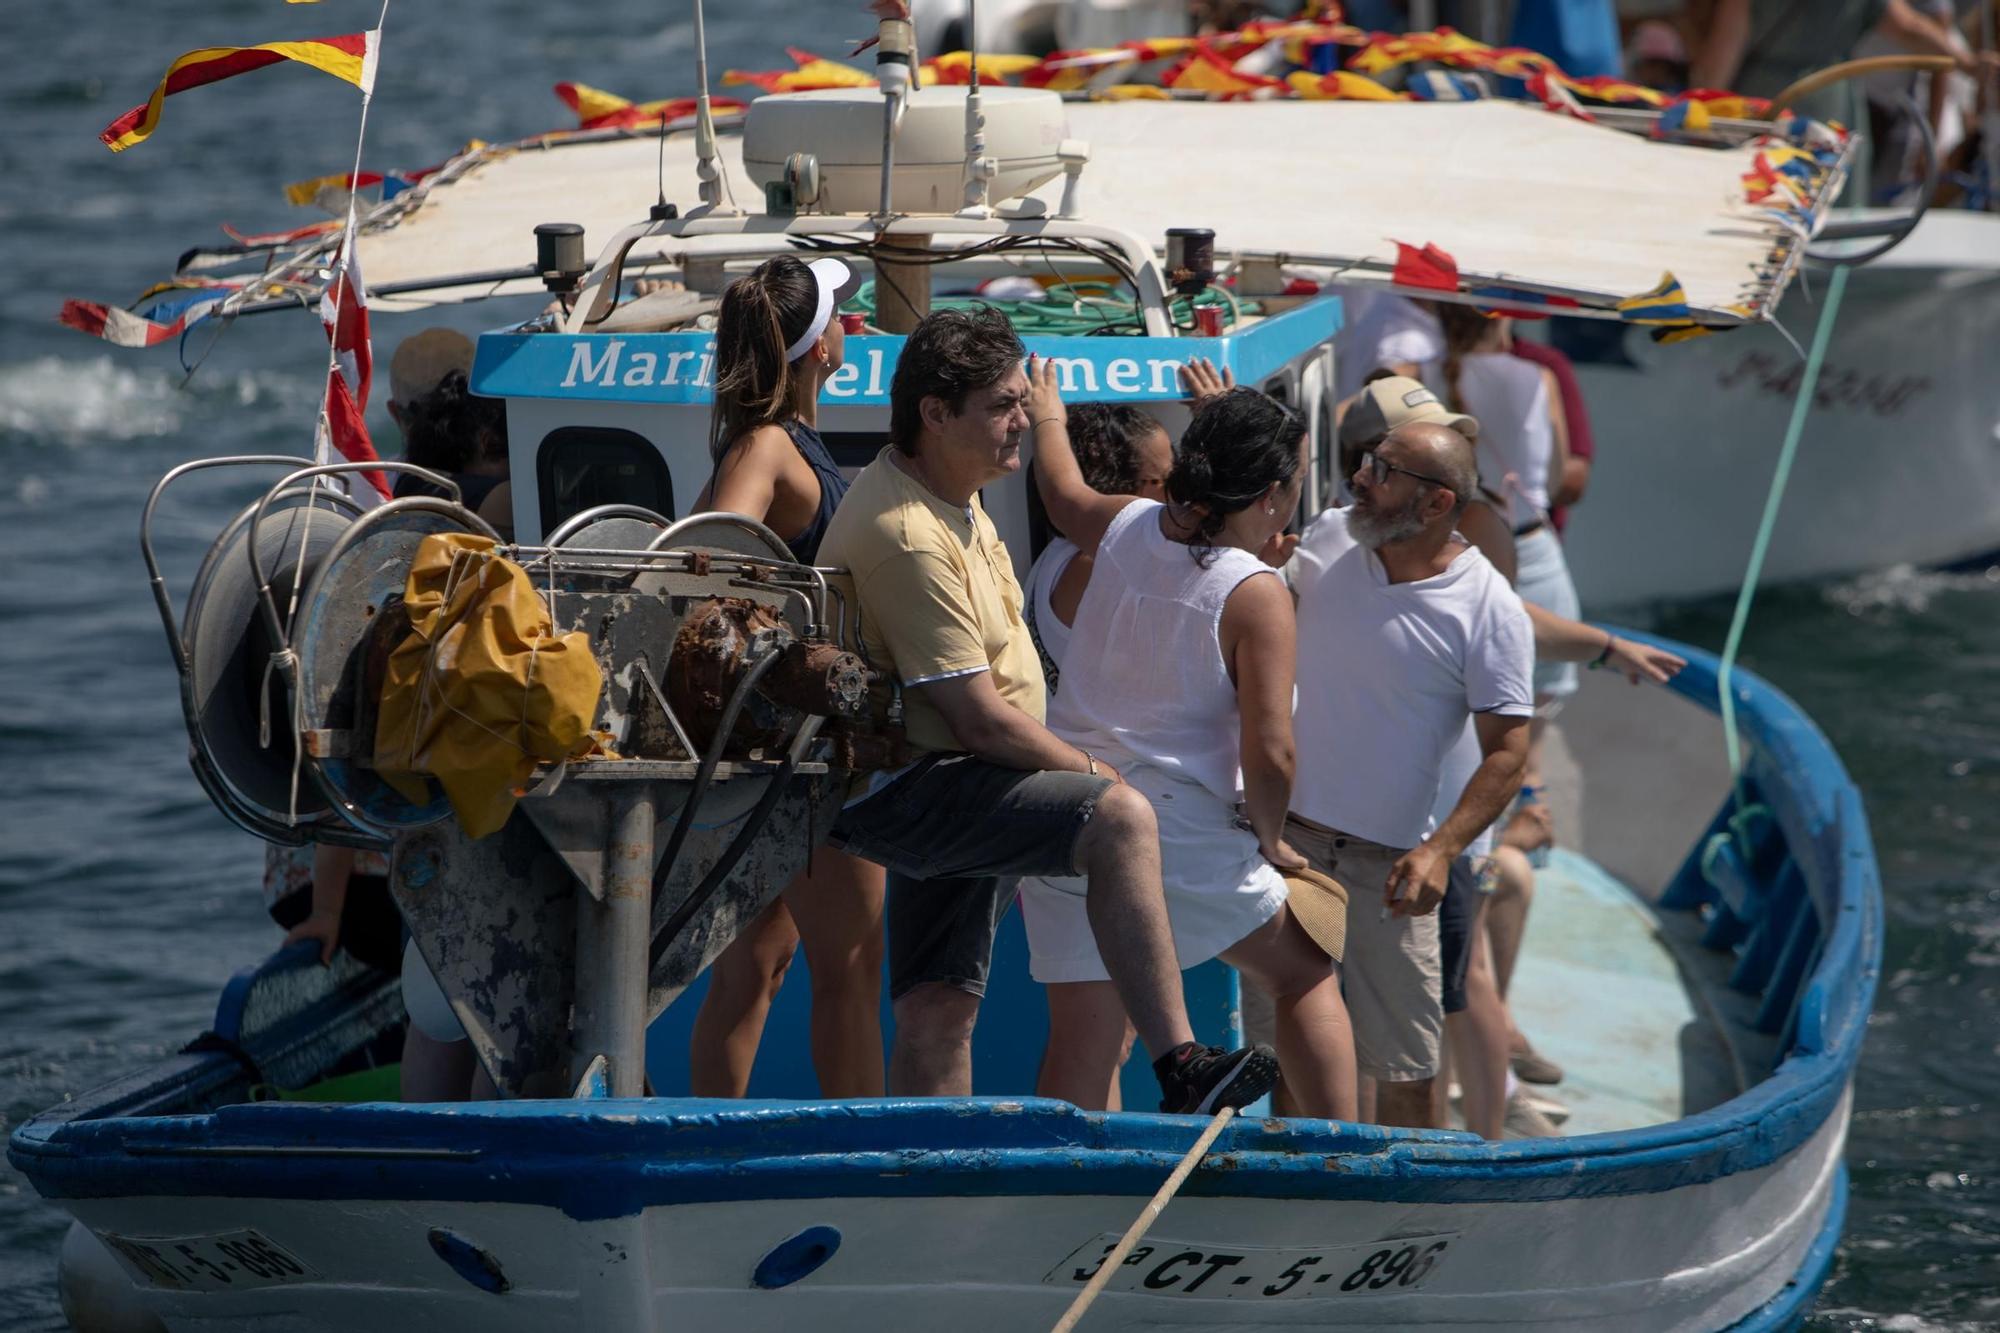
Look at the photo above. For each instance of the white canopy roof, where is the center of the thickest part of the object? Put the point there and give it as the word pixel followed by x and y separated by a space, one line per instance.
pixel 1516 194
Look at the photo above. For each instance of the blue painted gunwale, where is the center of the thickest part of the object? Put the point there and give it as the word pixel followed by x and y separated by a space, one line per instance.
pixel 558 365
pixel 610 1159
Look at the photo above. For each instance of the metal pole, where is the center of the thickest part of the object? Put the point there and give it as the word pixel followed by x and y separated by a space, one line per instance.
pixel 611 939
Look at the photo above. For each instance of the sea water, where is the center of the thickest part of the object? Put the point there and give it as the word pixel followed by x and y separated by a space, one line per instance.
pixel 125 900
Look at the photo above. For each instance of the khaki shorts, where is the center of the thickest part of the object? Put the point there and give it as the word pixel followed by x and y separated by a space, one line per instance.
pixel 1392 978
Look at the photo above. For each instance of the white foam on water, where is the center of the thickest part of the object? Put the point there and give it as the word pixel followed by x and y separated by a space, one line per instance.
pixel 60 400
pixel 1907 588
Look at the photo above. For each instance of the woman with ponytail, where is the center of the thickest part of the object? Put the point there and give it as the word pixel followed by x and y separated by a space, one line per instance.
pixel 776 342
pixel 1179 672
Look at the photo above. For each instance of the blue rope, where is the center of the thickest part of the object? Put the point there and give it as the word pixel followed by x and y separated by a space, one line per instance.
pixel 1801 406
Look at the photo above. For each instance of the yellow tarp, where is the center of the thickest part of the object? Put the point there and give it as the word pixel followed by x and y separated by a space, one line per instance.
pixel 483 689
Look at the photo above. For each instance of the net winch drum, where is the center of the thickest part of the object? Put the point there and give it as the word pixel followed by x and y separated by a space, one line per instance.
pixel 350 620
pixel 238 705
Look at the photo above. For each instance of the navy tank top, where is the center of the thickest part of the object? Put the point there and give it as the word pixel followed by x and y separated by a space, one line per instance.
pixel 832 485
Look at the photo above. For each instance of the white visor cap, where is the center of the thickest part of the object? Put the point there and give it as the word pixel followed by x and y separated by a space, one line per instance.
pixel 829 275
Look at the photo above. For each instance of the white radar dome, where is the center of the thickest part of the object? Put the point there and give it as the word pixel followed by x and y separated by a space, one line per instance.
pixel 842 127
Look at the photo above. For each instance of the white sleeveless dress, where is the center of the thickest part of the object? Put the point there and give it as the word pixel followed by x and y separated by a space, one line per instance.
pixel 1145 687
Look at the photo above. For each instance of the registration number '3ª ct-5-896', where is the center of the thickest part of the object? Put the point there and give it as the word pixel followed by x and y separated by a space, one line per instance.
pixel 1170 1268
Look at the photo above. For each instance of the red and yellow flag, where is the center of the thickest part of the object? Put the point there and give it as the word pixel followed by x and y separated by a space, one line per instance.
pixel 350 58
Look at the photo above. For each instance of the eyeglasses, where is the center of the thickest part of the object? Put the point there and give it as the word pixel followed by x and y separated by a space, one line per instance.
pixel 1378 469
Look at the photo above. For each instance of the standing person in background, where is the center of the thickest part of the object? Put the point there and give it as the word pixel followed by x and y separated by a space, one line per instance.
pixel 463 435
pixel 776 342
pixel 420 363
pixel 1522 453
pixel 1568 488
pixel 1181 674
pixel 1762 47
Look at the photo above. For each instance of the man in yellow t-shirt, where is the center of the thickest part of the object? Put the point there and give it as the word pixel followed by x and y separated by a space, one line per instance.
pixel 995 793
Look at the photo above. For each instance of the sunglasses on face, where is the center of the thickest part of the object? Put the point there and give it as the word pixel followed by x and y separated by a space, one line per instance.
pixel 1378 469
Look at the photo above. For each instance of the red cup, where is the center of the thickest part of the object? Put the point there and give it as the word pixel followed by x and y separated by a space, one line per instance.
pixel 853 323
pixel 1208 320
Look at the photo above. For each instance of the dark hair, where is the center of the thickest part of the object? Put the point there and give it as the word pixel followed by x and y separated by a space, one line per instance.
pixel 1106 439
pixel 451 428
pixel 1238 444
pixel 1465 328
pixel 949 354
pixel 763 313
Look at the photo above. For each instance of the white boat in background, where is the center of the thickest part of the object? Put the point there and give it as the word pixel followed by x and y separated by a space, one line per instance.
pixel 1714 999
pixel 1901 460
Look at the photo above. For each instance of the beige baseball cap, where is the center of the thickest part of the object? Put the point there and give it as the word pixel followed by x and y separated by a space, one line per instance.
pixel 422 360
pixel 1319 905
pixel 1396 400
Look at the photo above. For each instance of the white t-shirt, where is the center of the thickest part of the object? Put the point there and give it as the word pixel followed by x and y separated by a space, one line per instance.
pixel 1389 674
pixel 1389 331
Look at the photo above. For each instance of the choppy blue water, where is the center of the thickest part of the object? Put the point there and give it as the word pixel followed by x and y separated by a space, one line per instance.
pixel 125 900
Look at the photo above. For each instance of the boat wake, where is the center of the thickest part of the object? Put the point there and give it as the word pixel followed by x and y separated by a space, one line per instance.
pixel 67 401
pixel 1906 588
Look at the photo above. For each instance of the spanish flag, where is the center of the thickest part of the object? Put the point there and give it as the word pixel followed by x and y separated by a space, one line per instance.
pixel 350 58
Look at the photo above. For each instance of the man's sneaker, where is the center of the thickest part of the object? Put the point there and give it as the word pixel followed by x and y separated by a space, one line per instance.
pixel 1523 1121
pixel 1531 1066
pixel 1201 1080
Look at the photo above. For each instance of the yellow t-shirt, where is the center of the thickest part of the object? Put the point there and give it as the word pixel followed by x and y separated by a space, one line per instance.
pixel 936 593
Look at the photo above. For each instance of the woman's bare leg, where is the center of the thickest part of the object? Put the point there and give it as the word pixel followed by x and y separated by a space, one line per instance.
pixel 1088 1037
pixel 1315 1040
pixel 837 907
pixel 742 982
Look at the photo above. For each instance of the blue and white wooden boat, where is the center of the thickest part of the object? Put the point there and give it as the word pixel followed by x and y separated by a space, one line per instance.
pixel 1705 969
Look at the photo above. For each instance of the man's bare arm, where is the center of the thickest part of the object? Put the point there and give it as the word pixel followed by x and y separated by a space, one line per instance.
pixel 988 726
pixel 1503 747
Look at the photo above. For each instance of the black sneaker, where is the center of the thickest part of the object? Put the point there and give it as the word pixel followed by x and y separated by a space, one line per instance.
pixel 1201 1080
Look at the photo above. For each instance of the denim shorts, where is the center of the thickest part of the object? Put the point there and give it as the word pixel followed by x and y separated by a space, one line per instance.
pixel 955 832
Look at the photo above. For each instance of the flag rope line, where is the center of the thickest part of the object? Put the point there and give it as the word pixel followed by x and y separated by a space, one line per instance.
pixel 323 434
pixel 1761 545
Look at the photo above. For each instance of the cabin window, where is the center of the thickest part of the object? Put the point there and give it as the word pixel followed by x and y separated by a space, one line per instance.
pixel 581 467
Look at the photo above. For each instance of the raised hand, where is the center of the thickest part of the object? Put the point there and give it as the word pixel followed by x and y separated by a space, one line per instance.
pixel 1201 380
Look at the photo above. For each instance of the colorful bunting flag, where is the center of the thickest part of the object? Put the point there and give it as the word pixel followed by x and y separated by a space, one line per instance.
pixel 1429 267
pixel 350 58
pixel 812 73
pixel 1439 85
pixel 598 110
pixel 169 319
pixel 1688 117
pixel 1205 71
pixel 1665 304
pixel 1341 85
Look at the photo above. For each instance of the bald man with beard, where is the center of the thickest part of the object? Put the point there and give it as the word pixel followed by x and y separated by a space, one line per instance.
pixel 1405 631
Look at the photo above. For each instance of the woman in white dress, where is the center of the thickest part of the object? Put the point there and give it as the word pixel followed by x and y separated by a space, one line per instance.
pixel 1179 673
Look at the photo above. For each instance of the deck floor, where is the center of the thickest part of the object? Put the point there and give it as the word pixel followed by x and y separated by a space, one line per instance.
pixel 1601 991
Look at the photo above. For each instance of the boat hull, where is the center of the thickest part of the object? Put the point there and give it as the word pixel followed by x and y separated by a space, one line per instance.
pixel 1900 462
pixel 1701 1255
